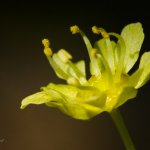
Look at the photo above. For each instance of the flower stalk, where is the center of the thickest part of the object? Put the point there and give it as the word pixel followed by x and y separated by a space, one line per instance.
pixel 120 125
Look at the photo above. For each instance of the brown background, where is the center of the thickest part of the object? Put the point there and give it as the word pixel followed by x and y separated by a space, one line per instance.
pixel 24 69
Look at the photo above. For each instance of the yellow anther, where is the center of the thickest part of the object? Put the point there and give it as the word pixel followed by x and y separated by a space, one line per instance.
pixel 104 33
pixel 95 30
pixel 74 29
pixel 64 55
pixel 46 43
pixel 94 52
pixel 47 49
pixel 101 31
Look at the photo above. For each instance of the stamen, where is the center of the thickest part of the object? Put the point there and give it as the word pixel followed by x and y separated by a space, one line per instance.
pixel 94 52
pixel 95 30
pixel 74 29
pixel 46 43
pixel 108 52
pixel 47 50
pixel 54 63
pixel 101 31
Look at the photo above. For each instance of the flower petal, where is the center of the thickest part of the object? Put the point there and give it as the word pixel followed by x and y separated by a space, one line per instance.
pixel 79 110
pixel 126 94
pixel 81 66
pixel 142 75
pixel 77 102
pixel 80 102
pixel 106 49
pixel 80 94
pixel 65 69
pixel 133 36
pixel 41 98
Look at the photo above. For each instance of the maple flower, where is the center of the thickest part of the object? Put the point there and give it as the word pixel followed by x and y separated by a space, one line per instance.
pixel 110 84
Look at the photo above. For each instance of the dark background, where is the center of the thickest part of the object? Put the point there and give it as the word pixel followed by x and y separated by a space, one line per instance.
pixel 24 69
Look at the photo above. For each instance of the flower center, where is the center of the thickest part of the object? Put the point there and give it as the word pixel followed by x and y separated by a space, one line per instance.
pixel 111 87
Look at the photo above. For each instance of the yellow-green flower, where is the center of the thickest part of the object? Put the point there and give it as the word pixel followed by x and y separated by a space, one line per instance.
pixel 109 86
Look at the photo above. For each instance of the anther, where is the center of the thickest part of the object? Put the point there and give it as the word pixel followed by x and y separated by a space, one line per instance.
pixel 94 52
pixel 101 31
pixel 74 29
pixel 47 49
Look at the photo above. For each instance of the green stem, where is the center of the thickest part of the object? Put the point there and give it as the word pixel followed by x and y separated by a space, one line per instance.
pixel 118 121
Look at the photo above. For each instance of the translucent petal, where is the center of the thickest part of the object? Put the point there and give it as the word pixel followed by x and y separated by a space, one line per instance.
pixel 79 110
pixel 80 102
pixel 133 36
pixel 66 69
pixel 142 75
pixel 77 102
pixel 96 66
pixel 80 94
pixel 61 68
pixel 81 66
pixel 41 98
pixel 126 94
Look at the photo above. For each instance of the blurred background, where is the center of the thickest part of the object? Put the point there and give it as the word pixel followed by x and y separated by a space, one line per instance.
pixel 24 69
